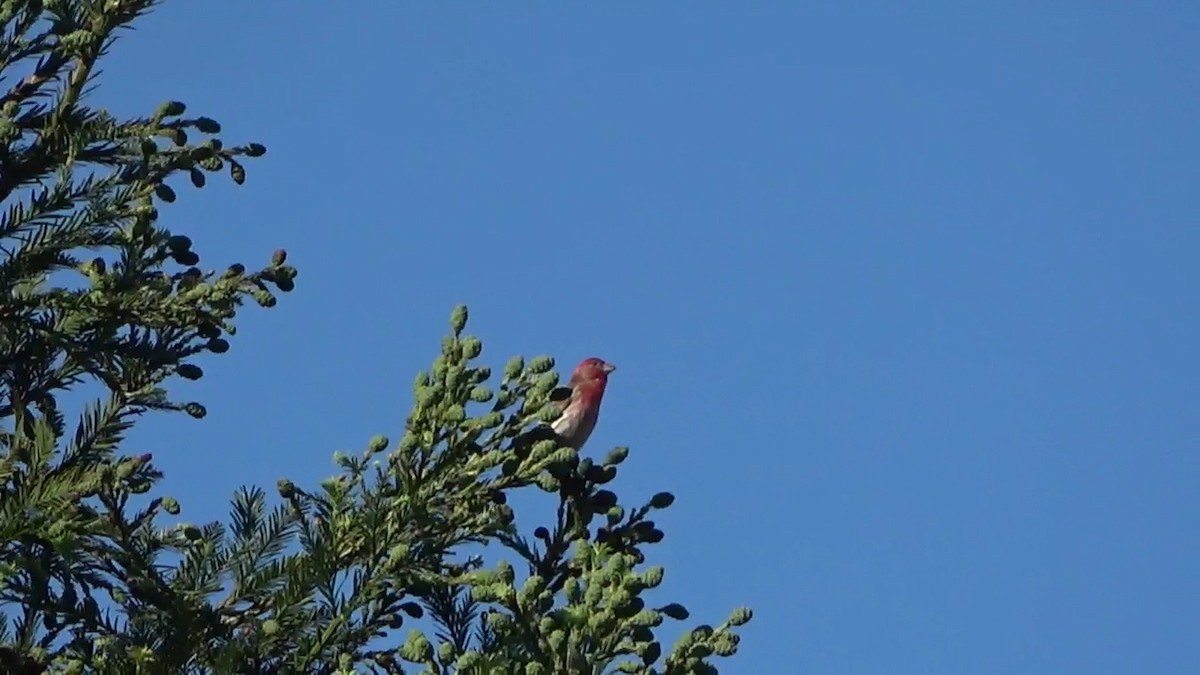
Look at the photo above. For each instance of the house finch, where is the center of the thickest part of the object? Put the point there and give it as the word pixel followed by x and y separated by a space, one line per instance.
pixel 580 404
pixel 582 409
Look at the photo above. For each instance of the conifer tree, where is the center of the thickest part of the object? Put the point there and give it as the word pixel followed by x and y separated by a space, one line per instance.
pixel 409 559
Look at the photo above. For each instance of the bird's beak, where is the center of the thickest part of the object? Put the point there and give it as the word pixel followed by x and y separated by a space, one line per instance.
pixel 608 368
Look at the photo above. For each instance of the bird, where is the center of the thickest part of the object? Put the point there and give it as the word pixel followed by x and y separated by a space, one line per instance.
pixel 579 402
pixel 581 408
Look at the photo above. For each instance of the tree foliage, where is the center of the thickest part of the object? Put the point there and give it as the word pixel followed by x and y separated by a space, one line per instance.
pixel 96 574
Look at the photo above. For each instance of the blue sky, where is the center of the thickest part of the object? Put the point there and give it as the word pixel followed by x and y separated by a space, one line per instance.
pixel 900 298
